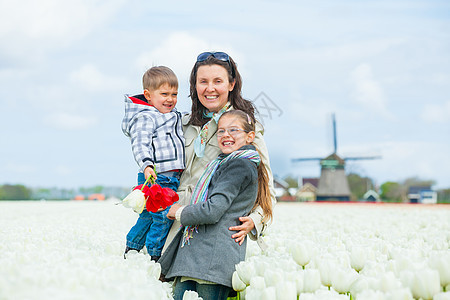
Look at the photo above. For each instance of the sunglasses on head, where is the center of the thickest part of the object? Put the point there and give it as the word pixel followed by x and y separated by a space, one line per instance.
pixel 222 56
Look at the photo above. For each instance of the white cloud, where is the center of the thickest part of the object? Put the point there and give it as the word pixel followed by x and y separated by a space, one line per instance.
pixel 350 51
pixel 367 91
pixel 90 78
pixel 178 52
pixel 46 24
pixel 68 121
pixel 434 113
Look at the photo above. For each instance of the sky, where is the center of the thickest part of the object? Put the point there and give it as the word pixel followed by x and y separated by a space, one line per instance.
pixel 382 67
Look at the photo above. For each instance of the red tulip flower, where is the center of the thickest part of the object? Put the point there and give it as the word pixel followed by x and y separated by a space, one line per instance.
pixel 157 197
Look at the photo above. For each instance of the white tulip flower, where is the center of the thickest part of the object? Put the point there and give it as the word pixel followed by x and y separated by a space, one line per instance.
pixel 273 277
pixel 135 200
pixel 253 294
pixel 154 270
pixel 389 282
pixel 300 284
pixel 286 290
pixel 326 268
pixel 311 280
pixel 269 293
pixel 237 283
pixel 302 252
pixel 426 284
pixel 400 294
pixel 191 295
pixel 253 250
pixel 258 282
pixel 292 275
pixel 442 296
pixel 307 296
pixel 358 258
pixel 440 261
pixel 359 285
pixel 246 271
pixel 261 265
pixel 324 295
pixel 343 279
pixel 371 295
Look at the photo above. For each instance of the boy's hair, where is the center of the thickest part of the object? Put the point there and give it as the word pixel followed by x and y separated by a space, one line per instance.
pixel 264 198
pixel 156 76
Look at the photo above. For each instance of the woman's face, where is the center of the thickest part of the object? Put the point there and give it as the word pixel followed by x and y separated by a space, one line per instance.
pixel 213 86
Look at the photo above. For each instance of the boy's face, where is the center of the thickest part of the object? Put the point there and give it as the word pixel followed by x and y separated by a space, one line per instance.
pixel 163 99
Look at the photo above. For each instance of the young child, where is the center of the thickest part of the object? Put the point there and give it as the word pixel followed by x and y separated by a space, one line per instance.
pixel 202 256
pixel 154 128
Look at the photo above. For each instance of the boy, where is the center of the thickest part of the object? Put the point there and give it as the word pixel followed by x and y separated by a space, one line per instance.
pixel 155 130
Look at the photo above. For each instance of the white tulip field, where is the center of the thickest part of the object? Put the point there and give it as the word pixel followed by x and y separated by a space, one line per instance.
pixel 74 250
pixel 351 251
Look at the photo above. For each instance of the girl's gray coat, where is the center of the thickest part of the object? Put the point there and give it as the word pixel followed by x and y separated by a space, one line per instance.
pixel 212 254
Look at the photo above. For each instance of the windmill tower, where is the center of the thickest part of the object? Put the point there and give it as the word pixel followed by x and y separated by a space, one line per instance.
pixel 333 183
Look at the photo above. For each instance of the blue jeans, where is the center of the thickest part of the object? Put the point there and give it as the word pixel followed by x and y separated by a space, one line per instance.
pixel 206 291
pixel 151 228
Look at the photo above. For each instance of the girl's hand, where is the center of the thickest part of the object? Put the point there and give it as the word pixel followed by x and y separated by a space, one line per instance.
pixel 246 226
pixel 172 210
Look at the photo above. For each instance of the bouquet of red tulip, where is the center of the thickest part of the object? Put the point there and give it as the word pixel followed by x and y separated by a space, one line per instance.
pixel 151 197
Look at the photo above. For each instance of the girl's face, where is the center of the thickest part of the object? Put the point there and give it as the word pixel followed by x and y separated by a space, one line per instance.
pixel 213 86
pixel 231 135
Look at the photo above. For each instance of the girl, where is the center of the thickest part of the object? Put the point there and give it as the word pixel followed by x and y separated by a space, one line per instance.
pixel 202 256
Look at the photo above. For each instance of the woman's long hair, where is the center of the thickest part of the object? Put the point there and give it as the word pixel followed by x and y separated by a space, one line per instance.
pixel 235 96
pixel 264 198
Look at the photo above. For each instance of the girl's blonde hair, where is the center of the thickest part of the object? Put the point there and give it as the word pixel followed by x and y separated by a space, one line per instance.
pixel 264 198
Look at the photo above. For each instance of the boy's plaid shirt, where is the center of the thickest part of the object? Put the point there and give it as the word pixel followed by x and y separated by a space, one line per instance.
pixel 156 139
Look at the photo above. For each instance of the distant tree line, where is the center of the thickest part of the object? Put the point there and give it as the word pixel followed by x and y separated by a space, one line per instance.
pixel 389 191
pixel 14 192
pixel 21 192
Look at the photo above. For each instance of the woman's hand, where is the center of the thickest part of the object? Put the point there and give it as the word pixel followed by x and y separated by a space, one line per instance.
pixel 246 226
pixel 172 210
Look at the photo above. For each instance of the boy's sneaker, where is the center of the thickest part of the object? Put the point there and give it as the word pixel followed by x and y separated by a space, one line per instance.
pixel 128 249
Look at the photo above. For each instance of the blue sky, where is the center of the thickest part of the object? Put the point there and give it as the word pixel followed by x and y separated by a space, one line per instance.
pixel 383 67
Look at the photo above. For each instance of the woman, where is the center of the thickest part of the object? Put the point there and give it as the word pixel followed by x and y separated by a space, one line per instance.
pixel 215 87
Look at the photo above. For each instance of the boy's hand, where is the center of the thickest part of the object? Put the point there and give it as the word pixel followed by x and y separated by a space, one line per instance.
pixel 149 172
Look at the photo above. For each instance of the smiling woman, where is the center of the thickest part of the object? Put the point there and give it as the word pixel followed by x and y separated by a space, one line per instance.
pixel 215 87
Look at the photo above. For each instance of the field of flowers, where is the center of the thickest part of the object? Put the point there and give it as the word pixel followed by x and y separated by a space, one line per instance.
pixel 351 251
pixel 73 250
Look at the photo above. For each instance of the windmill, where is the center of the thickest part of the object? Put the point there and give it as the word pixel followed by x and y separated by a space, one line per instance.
pixel 333 183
